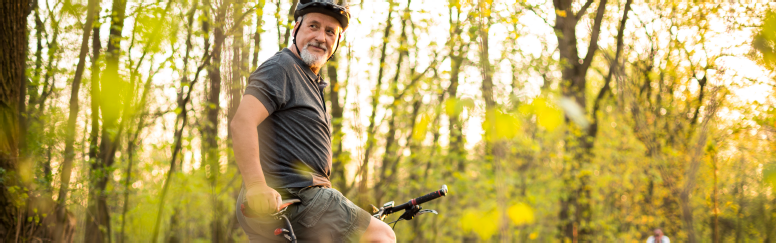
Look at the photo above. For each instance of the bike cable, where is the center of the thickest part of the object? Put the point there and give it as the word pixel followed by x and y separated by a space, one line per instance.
pixel 394 222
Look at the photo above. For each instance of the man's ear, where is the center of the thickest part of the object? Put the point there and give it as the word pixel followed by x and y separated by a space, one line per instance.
pixel 296 25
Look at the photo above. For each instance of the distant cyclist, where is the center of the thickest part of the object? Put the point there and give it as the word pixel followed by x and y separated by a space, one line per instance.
pixel 658 237
pixel 282 141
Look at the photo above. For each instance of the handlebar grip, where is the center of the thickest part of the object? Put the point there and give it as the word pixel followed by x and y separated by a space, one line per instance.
pixel 431 196
pixel 419 200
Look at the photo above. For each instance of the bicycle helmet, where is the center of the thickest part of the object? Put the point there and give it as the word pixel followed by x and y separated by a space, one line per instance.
pixel 327 7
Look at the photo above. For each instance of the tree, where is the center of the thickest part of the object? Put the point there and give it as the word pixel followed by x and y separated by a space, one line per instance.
pixel 363 197
pixel 575 213
pixel 59 232
pixel 12 77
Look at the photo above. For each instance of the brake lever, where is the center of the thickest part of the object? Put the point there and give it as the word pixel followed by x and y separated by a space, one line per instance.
pixel 425 211
pixel 410 213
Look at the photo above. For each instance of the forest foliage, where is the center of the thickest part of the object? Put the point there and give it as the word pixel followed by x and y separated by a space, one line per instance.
pixel 550 121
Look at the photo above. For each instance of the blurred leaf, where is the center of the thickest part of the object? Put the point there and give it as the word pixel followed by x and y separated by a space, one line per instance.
pixel 421 128
pixel 769 175
pixel 765 41
pixel 485 224
pixel 574 111
pixel 451 106
pixel 455 106
pixel 499 125
pixel 521 214
pixel 547 116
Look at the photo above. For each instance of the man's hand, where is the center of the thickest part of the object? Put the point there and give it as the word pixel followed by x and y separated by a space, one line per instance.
pixel 261 200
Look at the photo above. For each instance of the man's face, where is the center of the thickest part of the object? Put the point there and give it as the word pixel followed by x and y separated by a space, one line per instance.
pixel 317 36
pixel 658 233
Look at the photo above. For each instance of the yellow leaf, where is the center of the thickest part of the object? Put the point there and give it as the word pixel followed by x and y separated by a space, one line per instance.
pixel 548 117
pixel 451 107
pixel 561 13
pixel 521 214
pixel 484 224
pixel 498 125
pixel 419 133
pixel 533 235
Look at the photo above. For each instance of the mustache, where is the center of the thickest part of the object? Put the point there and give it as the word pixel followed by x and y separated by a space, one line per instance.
pixel 316 44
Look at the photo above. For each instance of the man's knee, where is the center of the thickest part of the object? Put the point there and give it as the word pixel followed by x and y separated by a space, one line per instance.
pixel 378 231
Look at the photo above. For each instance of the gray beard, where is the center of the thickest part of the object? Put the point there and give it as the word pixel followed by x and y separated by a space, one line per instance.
pixel 310 59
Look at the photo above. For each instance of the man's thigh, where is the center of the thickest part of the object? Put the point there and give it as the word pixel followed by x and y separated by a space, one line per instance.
pixel 325 215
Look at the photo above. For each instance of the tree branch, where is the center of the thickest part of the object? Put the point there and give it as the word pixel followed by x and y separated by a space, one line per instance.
pixel 612 67
pixel 583 9
pixel 593 47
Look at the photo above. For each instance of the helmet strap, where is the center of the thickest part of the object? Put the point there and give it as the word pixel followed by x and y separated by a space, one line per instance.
pixel 335 47
pixel 294 40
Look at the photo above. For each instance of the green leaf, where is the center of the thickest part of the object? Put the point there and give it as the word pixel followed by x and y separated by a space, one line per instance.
pixel 769 175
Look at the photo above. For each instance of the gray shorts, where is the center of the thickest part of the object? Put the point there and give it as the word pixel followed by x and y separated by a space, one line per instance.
pixel 324 215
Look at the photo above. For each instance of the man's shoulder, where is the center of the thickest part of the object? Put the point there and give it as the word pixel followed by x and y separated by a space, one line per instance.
pixel 281 59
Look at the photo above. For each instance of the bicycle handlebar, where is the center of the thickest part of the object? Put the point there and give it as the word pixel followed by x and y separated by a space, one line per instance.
pixel 419 200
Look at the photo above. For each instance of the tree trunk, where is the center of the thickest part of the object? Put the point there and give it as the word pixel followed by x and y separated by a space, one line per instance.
pixel 390 158
pixel 458 50
pixel 13 39
pixel 289 25
pixel 236 87
pixel 456 152
pixel 714 204
pixel 236 82
pixel 210 131
pixel 94 134
pixel 182 119
pixel 257 34
pixel 338 160
pixel 98 219
pixel 363 196
pixel 495 146
pixel 575 213
pixel 67 165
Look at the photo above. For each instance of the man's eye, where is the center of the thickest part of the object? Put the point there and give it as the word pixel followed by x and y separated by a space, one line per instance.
pixel 330 32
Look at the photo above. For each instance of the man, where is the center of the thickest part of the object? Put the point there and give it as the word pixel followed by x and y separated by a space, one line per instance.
pixel 282 141
pixel 658 237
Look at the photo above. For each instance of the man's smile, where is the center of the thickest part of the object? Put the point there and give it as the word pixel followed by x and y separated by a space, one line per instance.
pixel 318 48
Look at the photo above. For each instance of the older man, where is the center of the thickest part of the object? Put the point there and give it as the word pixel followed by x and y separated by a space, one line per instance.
pixel 282 141
pixel 658 237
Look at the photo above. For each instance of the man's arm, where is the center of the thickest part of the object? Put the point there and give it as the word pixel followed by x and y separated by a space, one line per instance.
pixel 245 142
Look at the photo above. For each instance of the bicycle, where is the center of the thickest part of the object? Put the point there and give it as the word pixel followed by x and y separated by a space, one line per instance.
pixel 411 209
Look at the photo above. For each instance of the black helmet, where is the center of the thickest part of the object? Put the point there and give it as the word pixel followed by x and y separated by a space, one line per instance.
pixel 327 7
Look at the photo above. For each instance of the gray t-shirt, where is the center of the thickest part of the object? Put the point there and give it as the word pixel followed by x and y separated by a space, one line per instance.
pixel 295 140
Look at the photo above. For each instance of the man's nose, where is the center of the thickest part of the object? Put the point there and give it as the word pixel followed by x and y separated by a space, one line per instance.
pixel 320 36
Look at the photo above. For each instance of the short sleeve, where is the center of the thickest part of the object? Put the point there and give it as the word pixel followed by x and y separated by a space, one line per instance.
pixel 270 85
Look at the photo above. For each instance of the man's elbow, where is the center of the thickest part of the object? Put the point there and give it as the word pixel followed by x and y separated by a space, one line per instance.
pixel 235 125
